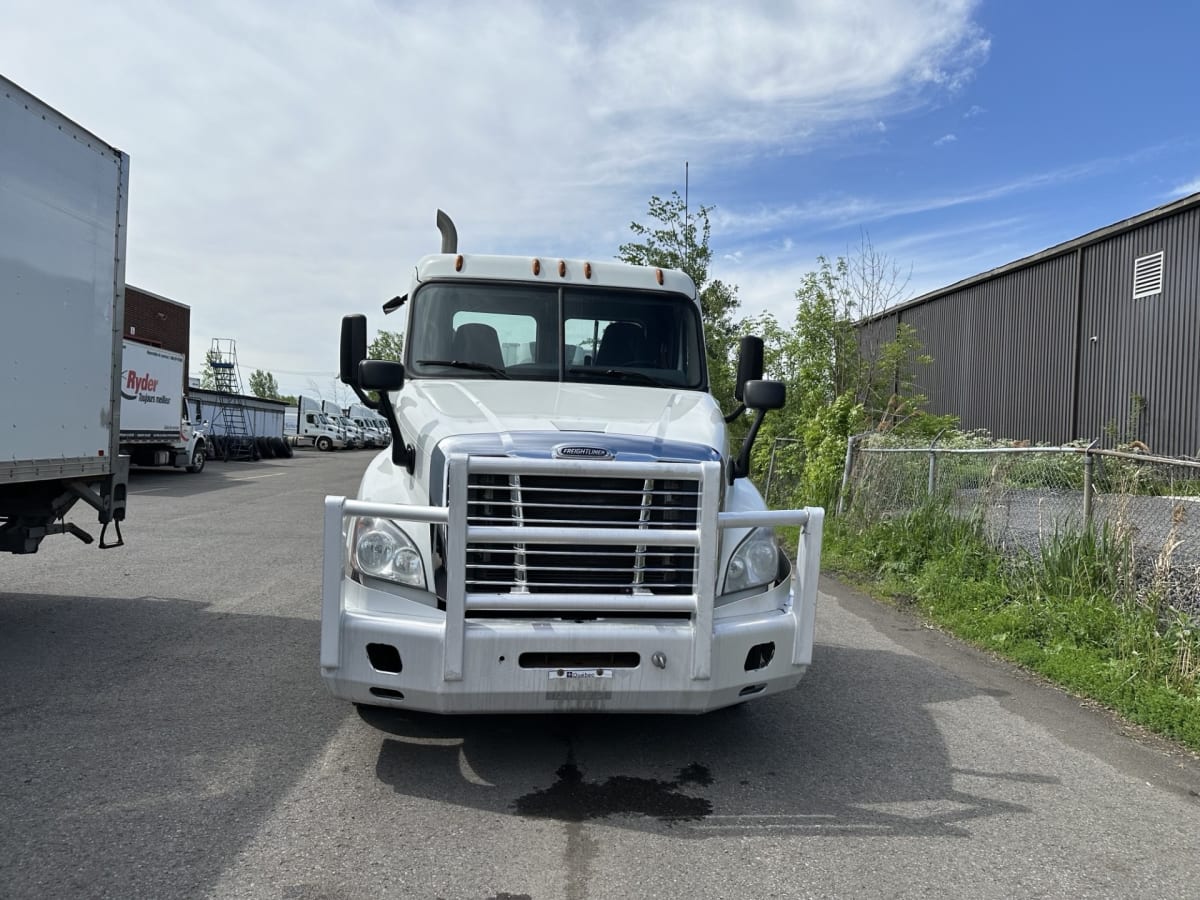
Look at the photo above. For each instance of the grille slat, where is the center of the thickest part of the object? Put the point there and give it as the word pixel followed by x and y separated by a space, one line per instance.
pixel 530 500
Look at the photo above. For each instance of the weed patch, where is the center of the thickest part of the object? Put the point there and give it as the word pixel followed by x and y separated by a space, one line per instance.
pixel 1069 612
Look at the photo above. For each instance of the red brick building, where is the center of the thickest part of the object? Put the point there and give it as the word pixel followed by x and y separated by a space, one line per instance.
pixel 158 321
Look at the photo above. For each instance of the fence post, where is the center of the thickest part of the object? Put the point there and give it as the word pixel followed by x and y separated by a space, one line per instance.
pixel 770 473
pixel 1087 484
pixel 850 444
pixel 929 488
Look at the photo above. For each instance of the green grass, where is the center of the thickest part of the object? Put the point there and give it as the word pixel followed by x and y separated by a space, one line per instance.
pixel 1070 614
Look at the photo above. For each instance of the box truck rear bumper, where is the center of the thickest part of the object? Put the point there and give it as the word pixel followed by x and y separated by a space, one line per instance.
pixel 562 666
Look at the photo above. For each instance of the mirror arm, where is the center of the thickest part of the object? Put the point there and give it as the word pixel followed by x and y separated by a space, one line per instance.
pixel 365 398
pixel 741 465
pixel 402 454
pixel 733 416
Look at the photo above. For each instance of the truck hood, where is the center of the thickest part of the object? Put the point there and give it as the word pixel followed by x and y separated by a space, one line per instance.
pixel 432 410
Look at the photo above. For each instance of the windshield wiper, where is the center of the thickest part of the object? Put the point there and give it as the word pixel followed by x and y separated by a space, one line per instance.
pixel 622 374
pixel 464 364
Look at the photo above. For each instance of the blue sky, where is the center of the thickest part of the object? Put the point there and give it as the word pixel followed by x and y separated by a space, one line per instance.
pixel 287 160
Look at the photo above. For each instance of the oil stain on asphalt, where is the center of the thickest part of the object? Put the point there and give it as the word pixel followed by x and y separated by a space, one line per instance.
pixel 573 799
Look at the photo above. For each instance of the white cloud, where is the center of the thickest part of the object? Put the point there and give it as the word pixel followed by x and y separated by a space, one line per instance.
pixel 1188 187
pixel 287 159
pixel 742 225
pixel 975 110
pixel 945 139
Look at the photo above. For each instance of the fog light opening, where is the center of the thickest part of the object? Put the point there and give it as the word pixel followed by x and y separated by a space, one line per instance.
pixel 387 692
pixel 384 658
pixel 760 656
pixel 744 692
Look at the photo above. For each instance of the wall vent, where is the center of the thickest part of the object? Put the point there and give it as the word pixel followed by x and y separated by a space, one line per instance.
pixel 1148 275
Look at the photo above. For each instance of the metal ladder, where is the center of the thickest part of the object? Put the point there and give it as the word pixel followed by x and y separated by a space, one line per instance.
pixel 230 421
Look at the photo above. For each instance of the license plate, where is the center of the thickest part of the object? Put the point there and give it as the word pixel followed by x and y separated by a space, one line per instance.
pixel 581 674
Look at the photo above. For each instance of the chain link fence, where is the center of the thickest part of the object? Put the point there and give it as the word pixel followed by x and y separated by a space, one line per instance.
pixel 1026 496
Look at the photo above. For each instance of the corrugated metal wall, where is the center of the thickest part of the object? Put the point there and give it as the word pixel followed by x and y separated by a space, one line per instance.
pixel 1002 352
pixel 1147 348
pixel 1004 347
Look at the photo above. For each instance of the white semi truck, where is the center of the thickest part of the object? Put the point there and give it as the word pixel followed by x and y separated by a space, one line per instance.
pixel 305 425
pixel 155 430
pixel 566 531
pixel 63 204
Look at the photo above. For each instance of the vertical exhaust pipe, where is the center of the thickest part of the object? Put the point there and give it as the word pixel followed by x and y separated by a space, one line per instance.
pixel 449 233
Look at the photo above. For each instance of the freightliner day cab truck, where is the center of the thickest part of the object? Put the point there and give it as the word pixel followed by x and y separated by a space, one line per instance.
pixel 560 523
pixel 63 202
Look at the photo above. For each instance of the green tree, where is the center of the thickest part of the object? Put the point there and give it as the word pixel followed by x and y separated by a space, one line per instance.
pixel 387 345
pixel 208 380
pixel 263 384
pixel 678 238
pixel 837 386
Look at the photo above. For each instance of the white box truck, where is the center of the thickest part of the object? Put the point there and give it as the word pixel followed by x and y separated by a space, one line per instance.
pixel 566 531
pixel 155 430
pixel 63 205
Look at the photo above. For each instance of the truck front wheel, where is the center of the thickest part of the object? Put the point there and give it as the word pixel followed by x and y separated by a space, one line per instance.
pixel 199 455
pixel 324 443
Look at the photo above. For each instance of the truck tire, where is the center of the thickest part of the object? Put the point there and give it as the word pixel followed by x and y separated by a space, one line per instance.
pixel 265 449
pixel 283 450
pixel 324 444
pixel 199 457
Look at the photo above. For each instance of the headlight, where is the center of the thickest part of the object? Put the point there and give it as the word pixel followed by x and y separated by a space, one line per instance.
pixel 754 562
pixel 382 550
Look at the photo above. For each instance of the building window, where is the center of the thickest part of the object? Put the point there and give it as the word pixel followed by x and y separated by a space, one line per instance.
pixel 1148 275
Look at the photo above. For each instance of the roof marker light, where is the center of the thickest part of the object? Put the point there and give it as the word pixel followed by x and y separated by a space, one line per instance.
pixel 537 267
pixel 587 270
pixel 658 275
pixel 562 268
pixel 458 263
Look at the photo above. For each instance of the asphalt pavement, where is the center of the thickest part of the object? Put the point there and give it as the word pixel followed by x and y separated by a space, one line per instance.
pixel 164 732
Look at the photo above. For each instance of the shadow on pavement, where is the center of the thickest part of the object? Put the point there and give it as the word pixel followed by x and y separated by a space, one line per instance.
pixel 853 750
pixel 142 742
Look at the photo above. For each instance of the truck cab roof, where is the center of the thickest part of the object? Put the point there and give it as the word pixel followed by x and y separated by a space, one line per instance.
pixel 553 270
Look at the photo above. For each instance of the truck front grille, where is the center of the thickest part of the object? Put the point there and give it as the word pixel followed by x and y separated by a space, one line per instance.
pixel 572 503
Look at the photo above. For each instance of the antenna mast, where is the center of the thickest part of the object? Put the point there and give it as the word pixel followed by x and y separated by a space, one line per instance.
pixel 687 238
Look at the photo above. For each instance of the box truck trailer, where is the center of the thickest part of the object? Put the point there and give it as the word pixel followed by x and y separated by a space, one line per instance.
pixel 63 205
pixel 155 427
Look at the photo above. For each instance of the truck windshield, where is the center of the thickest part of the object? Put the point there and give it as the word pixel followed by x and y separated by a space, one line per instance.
pixel 536 333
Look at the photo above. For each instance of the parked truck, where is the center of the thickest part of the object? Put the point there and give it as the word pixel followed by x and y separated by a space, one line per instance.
pixel 63 204
pixel 569 530
pixel 155 426
pixel 305 425
pixel 350 432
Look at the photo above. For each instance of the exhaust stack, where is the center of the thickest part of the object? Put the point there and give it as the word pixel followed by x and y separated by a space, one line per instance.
pixel 449 233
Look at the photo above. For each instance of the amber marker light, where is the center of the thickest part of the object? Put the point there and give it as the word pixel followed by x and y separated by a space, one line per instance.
pixel 537 267
pixel 458 263
pixel 658 276
pixel 587 270
pixel 562 268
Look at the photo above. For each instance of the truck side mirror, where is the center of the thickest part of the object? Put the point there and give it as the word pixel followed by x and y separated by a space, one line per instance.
pixel 381 375
pixel 750 365
pixel 765 395
pixel 354 348
pixel 761 396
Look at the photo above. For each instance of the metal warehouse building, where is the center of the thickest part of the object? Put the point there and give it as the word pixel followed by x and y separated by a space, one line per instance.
pixel 1063 344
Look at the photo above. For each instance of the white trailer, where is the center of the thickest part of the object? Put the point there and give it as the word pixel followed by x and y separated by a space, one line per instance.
pixel 155 430
pixel 63 205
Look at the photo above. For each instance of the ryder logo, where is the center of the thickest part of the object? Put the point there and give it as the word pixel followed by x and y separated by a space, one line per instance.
pixel 138 387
